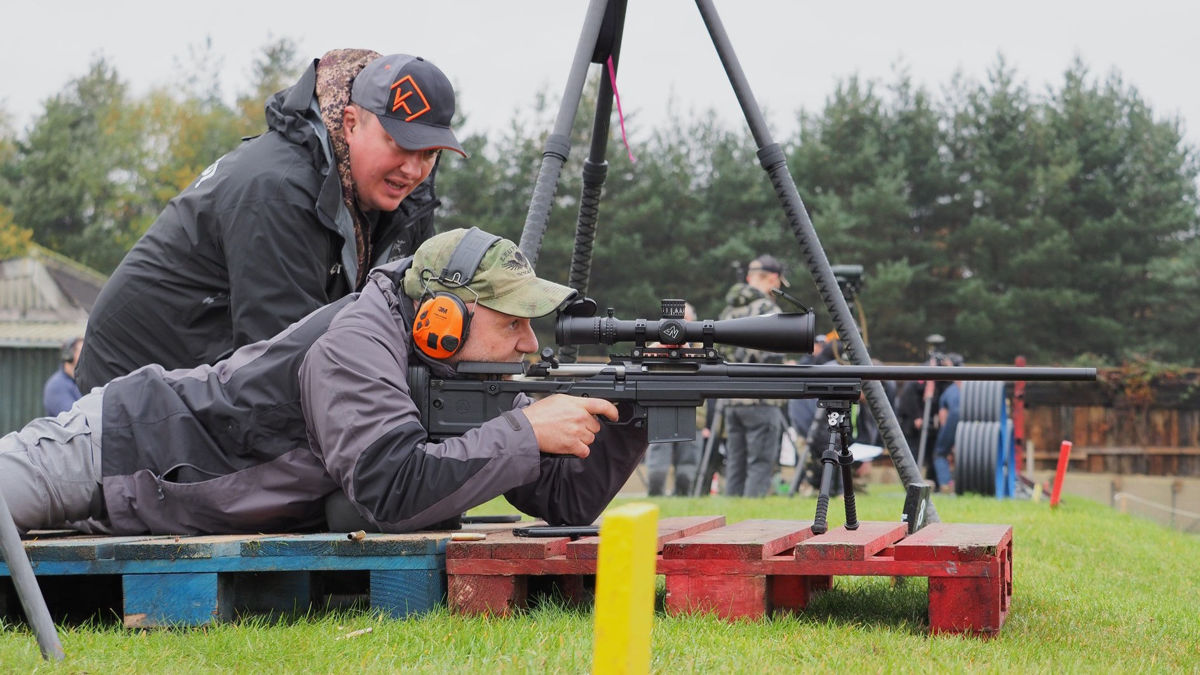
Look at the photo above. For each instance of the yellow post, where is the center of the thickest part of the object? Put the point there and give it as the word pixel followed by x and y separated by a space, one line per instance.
pixel 625 589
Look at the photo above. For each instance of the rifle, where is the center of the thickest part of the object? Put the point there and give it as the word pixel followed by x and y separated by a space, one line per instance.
pixel 665 383
pixel 664 380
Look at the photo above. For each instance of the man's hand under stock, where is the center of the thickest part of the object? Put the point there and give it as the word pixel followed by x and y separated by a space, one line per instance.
pixel 567 425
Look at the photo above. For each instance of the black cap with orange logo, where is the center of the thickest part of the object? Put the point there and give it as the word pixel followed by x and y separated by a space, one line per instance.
pixel 412 98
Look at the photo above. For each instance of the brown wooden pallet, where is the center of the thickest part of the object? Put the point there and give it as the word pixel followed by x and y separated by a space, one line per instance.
pixel 753 568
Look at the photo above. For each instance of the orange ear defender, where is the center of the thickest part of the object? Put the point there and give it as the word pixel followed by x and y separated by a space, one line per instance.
pixel 443 321
pixel 441 326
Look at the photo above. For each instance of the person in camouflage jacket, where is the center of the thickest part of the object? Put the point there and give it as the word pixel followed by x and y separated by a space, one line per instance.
pixel 753 427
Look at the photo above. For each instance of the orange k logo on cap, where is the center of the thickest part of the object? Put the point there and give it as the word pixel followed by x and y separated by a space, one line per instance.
pixel 409 97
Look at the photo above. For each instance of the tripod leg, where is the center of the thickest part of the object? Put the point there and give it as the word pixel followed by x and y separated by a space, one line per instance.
pixel 558 144
pixel 924 430
pixel 710 443
pixel 773 160
pixel 595 172
pixel 801 467
pixel 27 587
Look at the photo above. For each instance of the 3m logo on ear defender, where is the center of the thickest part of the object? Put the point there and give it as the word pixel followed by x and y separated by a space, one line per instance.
pixel 405 90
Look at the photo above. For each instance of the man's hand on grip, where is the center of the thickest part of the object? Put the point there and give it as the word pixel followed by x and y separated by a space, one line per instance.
pixel 567 425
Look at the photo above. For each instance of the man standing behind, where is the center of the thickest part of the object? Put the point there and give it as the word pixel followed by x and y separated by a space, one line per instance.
pixel 753 427
pixel 289 221
pixel 61 392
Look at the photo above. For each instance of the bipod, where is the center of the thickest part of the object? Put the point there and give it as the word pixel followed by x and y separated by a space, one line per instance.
pixel 837 453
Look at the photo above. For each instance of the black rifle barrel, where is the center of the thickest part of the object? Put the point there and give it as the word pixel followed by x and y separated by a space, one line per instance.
pixel 942 373
pixel 686 370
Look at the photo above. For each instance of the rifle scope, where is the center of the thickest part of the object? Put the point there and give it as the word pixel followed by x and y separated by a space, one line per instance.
pixel 789 332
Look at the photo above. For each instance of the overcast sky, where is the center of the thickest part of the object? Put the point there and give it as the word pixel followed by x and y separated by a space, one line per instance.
pixel 501 53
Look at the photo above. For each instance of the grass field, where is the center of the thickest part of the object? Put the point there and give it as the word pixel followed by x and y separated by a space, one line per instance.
pixel 1094 591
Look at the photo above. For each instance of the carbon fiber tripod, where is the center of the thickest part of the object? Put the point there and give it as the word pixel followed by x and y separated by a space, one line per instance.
pixel 600 41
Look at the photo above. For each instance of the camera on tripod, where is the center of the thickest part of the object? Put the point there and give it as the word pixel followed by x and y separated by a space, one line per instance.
pixel 849 280
pixel 937 356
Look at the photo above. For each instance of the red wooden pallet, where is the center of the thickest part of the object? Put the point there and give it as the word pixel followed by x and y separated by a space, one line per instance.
pixel 756 567
pixel 492 576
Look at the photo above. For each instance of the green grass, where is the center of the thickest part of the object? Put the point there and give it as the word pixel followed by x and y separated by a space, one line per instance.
pixel 1094 590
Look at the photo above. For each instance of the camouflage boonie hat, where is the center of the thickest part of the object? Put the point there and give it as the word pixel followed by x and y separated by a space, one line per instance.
pixel 504 280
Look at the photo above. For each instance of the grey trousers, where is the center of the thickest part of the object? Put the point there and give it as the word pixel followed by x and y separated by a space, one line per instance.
pixel 50 469
pixel 753 435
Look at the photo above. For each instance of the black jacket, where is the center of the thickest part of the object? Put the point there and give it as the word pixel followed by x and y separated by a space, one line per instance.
pixel 260 239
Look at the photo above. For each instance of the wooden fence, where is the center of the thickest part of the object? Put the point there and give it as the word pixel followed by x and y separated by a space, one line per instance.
pixel 1128 422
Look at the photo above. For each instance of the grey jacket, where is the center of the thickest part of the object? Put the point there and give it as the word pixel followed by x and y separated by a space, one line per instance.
pixel 256 442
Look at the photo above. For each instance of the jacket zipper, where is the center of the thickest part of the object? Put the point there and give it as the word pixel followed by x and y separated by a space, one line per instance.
pixel 159 478
pixel 393 233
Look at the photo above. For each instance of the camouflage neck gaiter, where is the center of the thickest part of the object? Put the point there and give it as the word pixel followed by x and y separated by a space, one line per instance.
pixel 335 75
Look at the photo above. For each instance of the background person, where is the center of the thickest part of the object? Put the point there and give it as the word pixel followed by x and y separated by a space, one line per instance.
pixel 753 427
pixel 949 411
pixel 61 392
pixel 909 405
pixel 289 221
pixel 257 442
